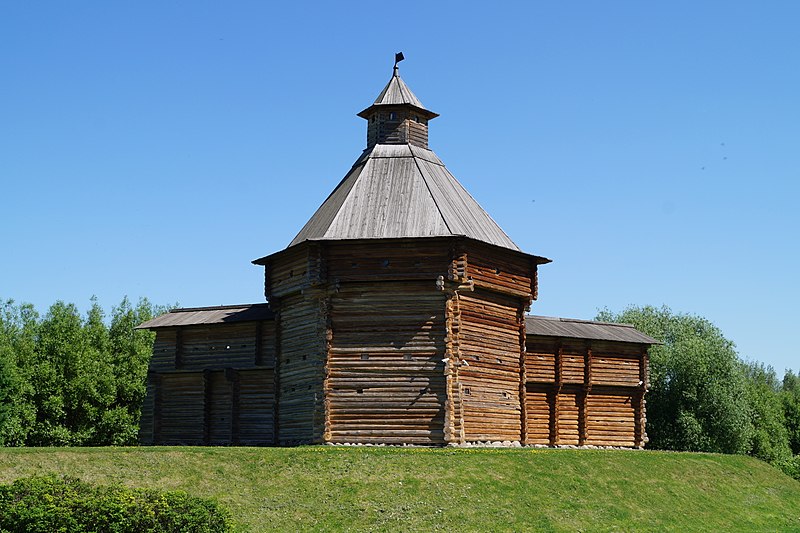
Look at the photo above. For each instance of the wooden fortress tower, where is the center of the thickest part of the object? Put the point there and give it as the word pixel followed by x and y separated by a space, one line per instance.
pixel 396 315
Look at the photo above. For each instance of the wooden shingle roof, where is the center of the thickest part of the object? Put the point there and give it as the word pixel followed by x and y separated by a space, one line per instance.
pixel 396 93
pixel 545 326
pixel 585 329
pixel 401 190
pixel 222 314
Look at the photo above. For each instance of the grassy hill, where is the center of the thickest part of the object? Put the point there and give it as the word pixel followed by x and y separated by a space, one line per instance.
pixel 419 489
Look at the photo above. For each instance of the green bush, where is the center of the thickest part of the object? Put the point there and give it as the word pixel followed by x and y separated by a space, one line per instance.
pixel 791 467
pixel 50 504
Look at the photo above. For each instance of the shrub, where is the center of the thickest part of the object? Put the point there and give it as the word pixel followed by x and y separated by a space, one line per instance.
pixel 791 467
pixel 46 504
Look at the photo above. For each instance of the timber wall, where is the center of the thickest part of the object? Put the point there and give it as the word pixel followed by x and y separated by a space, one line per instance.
pixel 385 380
pixel 398 342
pixel 491 290
pixel 294 286
pixel 581 392
pixel 211 384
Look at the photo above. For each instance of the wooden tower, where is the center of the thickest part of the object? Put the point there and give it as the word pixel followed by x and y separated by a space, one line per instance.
pixel 400 306
pixel 396 315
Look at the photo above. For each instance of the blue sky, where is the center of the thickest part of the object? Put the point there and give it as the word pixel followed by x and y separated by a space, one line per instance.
pixel 651 150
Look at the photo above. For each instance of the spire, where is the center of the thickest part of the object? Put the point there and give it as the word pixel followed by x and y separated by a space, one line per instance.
pixel 397 116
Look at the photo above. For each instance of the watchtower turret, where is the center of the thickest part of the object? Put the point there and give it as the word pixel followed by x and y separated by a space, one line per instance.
pixel 397 116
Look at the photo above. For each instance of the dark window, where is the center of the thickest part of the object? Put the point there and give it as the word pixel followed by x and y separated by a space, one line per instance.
pixel 392 116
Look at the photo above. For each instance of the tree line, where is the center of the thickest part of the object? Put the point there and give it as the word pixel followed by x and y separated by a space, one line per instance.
pixel 703 397
pixel 73 380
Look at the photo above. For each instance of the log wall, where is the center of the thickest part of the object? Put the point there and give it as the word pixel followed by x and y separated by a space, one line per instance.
pixel 489 346
pixel 302 334
pixel 385 376
pixel 211 384
pixel 490 290
pixel 582 392
pixel 385 380
pixel 397 342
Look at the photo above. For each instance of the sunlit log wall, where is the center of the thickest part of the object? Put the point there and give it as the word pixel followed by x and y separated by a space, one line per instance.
pixel 489 290
pixel 585 392
pixel 373 350
pixel 211 384
pixel 401 341
pixel 414 341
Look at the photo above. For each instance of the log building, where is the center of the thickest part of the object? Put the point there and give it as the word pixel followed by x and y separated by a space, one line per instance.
pixel 396 315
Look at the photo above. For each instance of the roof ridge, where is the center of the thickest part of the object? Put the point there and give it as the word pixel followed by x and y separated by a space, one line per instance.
pixel 215 307
pixel 582 321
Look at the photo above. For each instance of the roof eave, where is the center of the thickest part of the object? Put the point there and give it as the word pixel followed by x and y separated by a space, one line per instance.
pixel 539 260
pixel 421 110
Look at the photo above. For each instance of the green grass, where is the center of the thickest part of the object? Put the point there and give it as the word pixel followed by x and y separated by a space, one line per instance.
pixel 420 489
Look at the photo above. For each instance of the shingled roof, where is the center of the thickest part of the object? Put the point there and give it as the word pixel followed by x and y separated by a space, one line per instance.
pixel 585 329
pixel 400 190
pixel 397 92
pixel 221 314
pixel 545 326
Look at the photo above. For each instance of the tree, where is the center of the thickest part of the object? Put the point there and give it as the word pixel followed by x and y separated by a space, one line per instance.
pixel 130 356
pixel 18 334
pixel 790 396
pixel 69 380
pixel 770 438
pixel 697 399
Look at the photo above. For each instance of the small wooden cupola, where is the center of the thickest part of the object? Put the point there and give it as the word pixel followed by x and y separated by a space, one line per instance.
pixel 397 116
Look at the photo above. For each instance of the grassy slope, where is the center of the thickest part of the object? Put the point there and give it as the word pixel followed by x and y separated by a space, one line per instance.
pixel 421 489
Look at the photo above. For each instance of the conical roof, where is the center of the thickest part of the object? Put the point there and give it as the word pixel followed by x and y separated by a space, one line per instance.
pixel 395 93
pixel 401 190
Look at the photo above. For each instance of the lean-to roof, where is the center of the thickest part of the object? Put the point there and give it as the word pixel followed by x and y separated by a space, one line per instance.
pixel 222 314
pixel 585 329
pixel 535 325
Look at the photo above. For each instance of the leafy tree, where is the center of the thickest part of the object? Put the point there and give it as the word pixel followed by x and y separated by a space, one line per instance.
pixel 130 355
pixel 69 380
pixel 770 438
pixel 9 383
pixel 18 334
pixel 790 395
pixel 697 399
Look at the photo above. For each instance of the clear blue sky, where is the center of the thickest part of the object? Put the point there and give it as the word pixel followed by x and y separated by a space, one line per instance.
pixel 651 150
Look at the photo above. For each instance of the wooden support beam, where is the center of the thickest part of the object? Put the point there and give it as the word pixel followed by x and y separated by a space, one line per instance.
pixel 232 375
pixel 552 401
pixel 157 406
pixel 583 430
pixel 327 430
pixel 207 399
pixel 259 348
pixel 558 381
pixel 451 362
pixel 277 378
pixel 179 348
pixel 558 367
pixel 523 379
pixel 640 411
